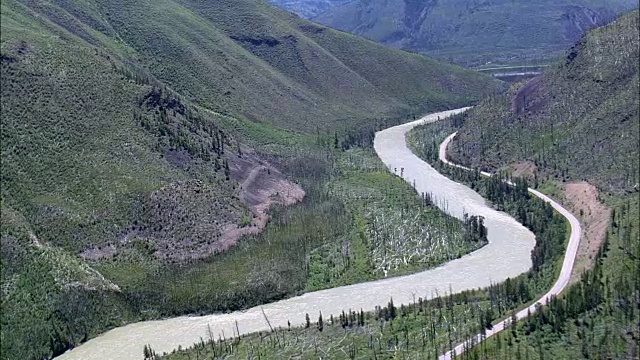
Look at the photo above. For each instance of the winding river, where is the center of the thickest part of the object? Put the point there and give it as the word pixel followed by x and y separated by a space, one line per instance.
pixel 506 255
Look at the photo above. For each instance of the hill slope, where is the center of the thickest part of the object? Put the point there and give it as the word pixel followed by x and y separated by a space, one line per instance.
pixel 579 120
pixel 139 139
pixel 474 32
pixel 249 59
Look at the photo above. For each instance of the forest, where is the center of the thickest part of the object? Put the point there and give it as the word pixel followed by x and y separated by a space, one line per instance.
pixel 595 318
pixel 380 226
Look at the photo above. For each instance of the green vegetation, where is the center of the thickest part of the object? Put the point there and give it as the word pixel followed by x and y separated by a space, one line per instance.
pixel 130 135
pixel 538 216
pixel 422 330
pixel 308 8
pixel 579 121
pixel 425 329
pixel 394 232
pixel 50 298
pixel 475 32
pixel 595 318
pixel 250 60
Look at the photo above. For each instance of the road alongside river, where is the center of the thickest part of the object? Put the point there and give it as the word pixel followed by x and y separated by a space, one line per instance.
pixel 506 255
pixel 565 272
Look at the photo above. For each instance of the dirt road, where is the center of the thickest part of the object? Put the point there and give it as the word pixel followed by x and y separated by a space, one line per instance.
pixel 565 272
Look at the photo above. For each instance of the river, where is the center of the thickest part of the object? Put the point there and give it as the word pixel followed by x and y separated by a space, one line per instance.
pixel 506 255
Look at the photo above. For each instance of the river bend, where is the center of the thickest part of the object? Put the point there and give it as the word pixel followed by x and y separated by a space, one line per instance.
pixel 506 255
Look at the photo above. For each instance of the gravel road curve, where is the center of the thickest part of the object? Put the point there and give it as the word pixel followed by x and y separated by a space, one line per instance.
pixel 565 272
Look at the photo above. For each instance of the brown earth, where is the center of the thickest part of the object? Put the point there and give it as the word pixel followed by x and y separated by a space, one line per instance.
pixel 262 186
pixel 530 97
pixel 526 169
pixel 582 200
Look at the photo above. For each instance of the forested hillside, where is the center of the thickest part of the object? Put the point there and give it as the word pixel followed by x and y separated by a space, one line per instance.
pixel 578 121
pixel 596 317
pixel 142 140
pixel 475 32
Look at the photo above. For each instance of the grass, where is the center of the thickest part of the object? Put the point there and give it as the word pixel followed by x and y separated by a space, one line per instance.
pixel 579 121
pixel 428 328
pixel 297 252
pixel 308 8
pixel 249 60
pixel 609 328
pixel 408 335
pixel 422 330
pixel 394 232
pixel 595 318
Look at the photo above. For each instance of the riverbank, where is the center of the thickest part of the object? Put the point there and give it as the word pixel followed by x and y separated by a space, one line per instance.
pixel 506 256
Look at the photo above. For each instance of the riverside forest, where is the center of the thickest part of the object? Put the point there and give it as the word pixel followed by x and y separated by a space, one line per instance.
pixel 203 179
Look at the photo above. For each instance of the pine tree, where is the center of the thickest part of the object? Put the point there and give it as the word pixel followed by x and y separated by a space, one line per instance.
pixel 320 322
pixel 227 172
pixel 391 310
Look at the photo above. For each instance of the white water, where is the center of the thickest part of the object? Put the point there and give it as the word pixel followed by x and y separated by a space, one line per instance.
pixel 506 255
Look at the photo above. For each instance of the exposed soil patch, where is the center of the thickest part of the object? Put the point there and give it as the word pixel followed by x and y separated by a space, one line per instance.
pixel 530 97
pixel 262 186
pixel 582 200
pixel 526 169
pixel 100 252
pixel 178 158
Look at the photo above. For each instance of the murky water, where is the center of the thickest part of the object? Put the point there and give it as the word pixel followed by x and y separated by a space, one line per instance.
pixel 506 255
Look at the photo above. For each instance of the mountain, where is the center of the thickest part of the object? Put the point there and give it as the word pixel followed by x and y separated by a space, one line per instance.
pixel 251 60
pixel 141 140
pixel 308 8
pixel 475 32
pixel 579 120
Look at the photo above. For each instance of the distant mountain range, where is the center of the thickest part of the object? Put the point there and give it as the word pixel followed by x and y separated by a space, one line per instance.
pixel 468 32
pixel 308 8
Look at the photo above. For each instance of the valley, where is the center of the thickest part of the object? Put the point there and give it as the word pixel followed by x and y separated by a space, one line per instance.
pixel 594 316
pixel 144 147
pixel 226 179
pixel 507 240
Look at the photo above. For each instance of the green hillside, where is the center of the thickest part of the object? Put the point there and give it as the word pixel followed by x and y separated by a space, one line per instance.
pixel 249 59
pixel 579 120
pixel 142 140
pixel 475 32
